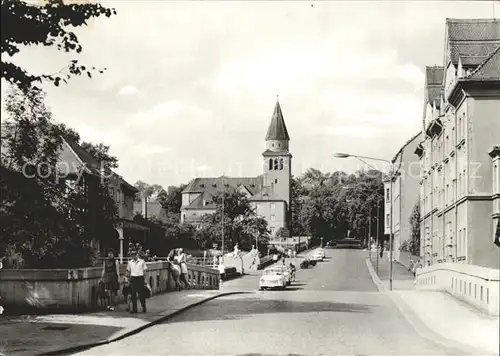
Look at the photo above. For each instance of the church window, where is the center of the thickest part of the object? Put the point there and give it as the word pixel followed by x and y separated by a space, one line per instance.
pixel 276 180
pixel 273 217
pixel 273 207
pixel 281 164
pixel 270 164
pixel 276 164
pixel 273 144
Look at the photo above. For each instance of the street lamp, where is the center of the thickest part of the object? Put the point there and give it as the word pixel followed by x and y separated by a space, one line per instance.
pixel 347 155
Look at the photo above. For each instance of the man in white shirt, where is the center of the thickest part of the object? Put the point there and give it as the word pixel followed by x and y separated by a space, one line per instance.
pixel 137 268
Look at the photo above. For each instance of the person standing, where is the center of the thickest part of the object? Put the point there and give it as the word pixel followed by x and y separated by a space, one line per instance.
pixel 181 259
pixel 109 275
pixel 137 268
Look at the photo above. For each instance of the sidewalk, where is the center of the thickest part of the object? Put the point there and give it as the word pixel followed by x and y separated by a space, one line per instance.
pixel 437 315
pixel 61 334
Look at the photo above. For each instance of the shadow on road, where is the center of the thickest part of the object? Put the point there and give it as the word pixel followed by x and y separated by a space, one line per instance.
pixel 237 309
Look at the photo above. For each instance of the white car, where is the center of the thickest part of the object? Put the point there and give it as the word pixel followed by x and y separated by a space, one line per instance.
pixel 272 278
pixel 286 272
pixel 318 256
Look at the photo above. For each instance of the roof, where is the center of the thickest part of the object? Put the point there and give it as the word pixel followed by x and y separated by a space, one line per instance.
pixel 471 38
pixel 433 85
pixel 434 75
pixel 215 185
pixel 93 164
pixel 277 129
pixel 406 144
pixel 266 195
pixel 276 153
pixel 489 68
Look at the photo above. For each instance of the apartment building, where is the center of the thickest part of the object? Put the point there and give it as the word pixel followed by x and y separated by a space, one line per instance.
pixel 459 152
pixel 405 194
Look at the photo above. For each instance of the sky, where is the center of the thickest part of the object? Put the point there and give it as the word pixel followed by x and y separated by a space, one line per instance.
pixel 190 87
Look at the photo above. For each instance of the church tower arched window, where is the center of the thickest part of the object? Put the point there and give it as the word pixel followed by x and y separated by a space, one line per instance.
pixel 276 164
pixel 281 164
pixel 270 164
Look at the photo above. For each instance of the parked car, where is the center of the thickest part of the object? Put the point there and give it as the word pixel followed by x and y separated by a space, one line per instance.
pixel 272 278
pixel 318 256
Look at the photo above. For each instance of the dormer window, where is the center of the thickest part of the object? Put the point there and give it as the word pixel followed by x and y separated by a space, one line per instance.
pixel 202 185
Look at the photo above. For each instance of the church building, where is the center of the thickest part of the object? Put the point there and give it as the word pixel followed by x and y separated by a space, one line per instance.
pixel 269 193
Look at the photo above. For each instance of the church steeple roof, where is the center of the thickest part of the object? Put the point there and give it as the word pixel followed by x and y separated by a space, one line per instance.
pixel 277 129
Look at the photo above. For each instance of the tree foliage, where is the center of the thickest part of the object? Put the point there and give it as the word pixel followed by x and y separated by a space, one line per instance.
pixel 241 225
pixel 333 205
pixel 414 245
pixel 28 24
pixel 45 220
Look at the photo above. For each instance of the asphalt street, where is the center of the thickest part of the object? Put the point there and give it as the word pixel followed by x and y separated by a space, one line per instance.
pixel 332 309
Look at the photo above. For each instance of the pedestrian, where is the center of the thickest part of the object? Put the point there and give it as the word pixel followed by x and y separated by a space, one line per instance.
pixel 137 268
pixel 174 268
pixel 109 275
pixel 292 271
pixel 181 259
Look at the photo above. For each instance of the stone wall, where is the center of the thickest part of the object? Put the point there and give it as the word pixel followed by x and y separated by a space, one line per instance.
pixel 478 286
pixel 75 290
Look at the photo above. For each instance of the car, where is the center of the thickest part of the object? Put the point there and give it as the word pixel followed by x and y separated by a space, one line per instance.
pixel 286 272
pixel 318 256
pixel 272 278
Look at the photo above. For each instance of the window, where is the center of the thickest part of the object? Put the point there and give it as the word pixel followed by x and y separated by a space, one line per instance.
pixel 257 206
pixel 276 180
pixel 387 194
pixel 270 164
pixel 276 164
pixel 273 217
pixel 387 220
pixel 272 230
pixel 281 164
pixel 273 207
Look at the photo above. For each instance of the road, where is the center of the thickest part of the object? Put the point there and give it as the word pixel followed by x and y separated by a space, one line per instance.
pixel 332 309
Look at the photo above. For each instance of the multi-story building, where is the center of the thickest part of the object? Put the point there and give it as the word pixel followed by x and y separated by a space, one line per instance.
pixel 459 194
pixel 269 193
pixel 405 194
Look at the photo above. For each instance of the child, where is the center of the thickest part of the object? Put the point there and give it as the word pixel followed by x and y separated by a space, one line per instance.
pixel 127 292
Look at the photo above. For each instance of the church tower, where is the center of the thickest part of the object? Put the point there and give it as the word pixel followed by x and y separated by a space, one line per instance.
pixel 277 158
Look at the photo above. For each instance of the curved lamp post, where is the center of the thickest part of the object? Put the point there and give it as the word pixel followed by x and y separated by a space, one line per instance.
pixel 347 155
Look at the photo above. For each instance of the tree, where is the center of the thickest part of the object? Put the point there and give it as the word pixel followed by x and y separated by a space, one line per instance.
pixel 45 220
pixel 241 225
pixel 100 152
pixel 25 24
pixel 171 200
pixel 415 230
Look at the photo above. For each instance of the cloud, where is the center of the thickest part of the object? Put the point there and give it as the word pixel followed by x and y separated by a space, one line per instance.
pixel 212 70
pixel 170 113
pixel 148 150
pixel 128 90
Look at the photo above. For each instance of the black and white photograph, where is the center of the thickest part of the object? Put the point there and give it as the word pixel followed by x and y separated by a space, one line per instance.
pixel 250 178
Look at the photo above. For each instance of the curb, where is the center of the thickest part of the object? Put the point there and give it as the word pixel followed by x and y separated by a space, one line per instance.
pixel 417 323
pixel 375 278
pixel 136 330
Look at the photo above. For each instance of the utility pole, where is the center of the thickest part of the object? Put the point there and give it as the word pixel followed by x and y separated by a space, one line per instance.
pixel 222 218
pixel 370 233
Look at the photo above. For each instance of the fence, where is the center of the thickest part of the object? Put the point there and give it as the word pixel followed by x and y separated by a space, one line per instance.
pixel 478 286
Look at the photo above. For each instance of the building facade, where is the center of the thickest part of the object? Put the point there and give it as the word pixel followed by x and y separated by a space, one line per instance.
pixel 461 128
pixel 78 164
pixel 405 194
pixel 269 193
